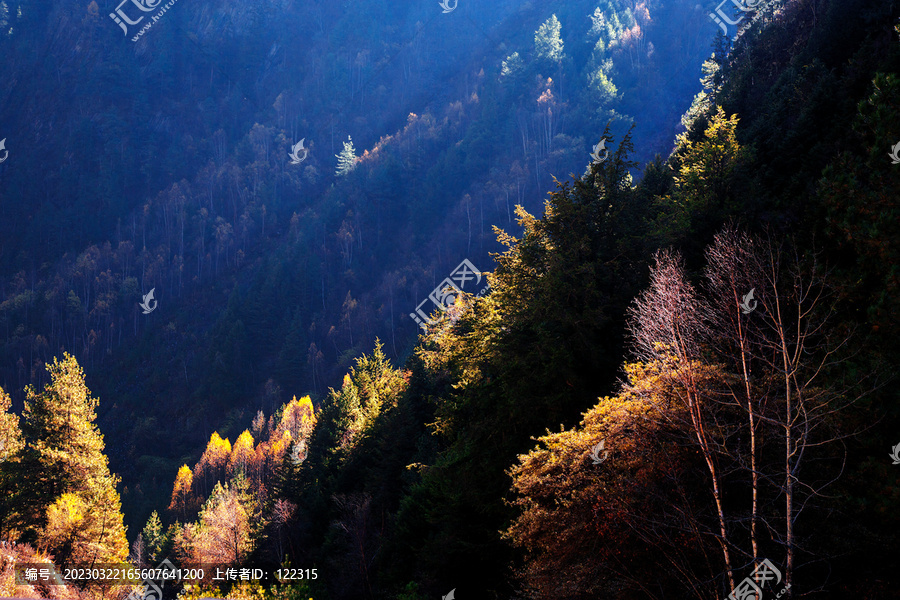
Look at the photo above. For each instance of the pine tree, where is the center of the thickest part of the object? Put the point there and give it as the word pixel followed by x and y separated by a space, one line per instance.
pixel 67 498
pixel 153 537
pixel 547 41
pixel 347 158
pixel 512 66
pixel 705 171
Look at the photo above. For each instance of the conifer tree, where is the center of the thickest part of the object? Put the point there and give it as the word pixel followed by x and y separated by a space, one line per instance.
pixel 547 41
pixel 705 172
pixel 347 158
pixel 153 537
pixel 10 445
pixel 67 499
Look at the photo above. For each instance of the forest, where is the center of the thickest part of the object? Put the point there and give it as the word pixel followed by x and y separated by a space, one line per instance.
pixel 664 367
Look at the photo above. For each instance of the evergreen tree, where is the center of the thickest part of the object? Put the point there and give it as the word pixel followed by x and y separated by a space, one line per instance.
pixel 512 66
pixel 706 167
pixel 67 500
pixel 153 537
pixel 347 158
pixel 547 41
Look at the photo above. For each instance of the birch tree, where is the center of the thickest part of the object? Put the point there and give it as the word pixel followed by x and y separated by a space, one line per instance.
pixel 668 324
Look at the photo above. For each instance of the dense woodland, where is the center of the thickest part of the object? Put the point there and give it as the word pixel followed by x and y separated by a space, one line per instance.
pixel 301 264
pixel 610 421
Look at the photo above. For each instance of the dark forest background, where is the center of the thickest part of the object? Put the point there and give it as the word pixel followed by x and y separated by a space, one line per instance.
pixel 272 277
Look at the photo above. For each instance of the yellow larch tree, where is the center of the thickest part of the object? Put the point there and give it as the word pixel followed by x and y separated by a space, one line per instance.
pixel 183 498
pixel 241 454
pixel 211 467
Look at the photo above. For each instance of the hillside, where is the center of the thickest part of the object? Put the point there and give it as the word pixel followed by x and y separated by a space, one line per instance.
pixel 243 249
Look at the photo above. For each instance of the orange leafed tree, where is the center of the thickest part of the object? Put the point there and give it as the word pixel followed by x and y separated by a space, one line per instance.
pixel 278 450
pixel 298 418
pixel 241 454
pixel 224 534
pixel 211 467
pixel 183 499
pixel 217 451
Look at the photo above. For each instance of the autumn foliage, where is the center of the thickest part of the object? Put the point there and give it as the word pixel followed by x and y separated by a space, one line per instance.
pixel 229 488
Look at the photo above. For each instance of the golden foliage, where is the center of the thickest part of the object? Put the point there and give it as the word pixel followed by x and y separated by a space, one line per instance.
pixel 10 436
pixel 298 418
pixel 64 519
pixel 241 454
pixel 225 526
pixel 280 447
pixel 86 527
pixel 572 507
pixel 215 458
pixel 182 497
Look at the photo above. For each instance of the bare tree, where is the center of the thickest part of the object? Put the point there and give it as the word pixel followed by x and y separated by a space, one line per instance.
pixel 282 513
pixel 668 325
pixel 804 350
pixel 731 269
pixel 772 321
pixel 138 556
